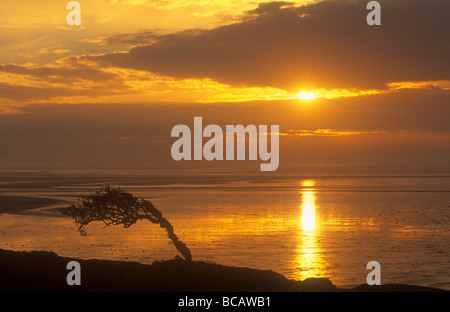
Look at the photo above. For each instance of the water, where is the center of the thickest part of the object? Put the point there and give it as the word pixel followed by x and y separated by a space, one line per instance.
pixel 316 227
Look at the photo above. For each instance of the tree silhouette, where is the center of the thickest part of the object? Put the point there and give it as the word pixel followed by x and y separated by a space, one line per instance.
pixel 114 206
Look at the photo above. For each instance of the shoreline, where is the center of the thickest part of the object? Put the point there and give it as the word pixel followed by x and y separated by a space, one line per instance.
pixel 13 204
pixel 42 271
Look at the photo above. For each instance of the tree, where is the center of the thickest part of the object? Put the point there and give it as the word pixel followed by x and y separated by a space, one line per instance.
pixel 114 206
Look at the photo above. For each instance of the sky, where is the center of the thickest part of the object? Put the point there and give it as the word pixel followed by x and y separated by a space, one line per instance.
pixel 106 94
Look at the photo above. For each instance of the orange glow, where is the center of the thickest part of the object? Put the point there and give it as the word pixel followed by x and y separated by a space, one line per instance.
pixel 328 132
pixel 308 183
pixel 435 84
pixel 308 213
pixel 303 95
pixel 308 263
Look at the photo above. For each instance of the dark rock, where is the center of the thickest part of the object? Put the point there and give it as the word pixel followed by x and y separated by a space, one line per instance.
pixel 40 271
pixel 317 284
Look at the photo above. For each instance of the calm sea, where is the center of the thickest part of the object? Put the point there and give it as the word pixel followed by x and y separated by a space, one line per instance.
pixel 300 227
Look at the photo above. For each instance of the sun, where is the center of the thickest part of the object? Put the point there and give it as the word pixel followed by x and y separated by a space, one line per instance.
pixel 303 95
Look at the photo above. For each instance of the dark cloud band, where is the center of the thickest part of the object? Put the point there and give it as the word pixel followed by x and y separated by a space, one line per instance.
pixel 322 45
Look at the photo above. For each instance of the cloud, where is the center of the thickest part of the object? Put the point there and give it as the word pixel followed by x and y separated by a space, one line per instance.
pixel 68 71
pixel 142 37
pixel 69 77
pixel 327 133
pixel 65 78
pixel 28 93
pixel 60 51
pixel 5 110
pixel 427 85
pixel 322 45
pixel 23 93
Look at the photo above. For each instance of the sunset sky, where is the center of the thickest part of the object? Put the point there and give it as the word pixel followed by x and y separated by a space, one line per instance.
pixel 348 97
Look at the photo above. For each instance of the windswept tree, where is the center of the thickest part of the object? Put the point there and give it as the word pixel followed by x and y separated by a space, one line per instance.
pixel 114 206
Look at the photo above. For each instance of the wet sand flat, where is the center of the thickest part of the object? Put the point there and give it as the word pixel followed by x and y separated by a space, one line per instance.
pixel 20 204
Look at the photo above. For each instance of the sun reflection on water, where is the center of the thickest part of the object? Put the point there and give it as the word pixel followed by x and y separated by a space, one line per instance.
pixel 308 213
pixel 308 262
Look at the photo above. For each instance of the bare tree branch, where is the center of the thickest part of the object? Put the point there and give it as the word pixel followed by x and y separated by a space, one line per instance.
pixel 115 206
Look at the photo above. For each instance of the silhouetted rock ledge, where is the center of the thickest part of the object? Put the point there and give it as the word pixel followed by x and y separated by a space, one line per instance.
pixel 46 271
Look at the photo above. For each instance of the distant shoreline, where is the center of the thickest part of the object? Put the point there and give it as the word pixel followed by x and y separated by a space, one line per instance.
pixel 40 271
pixel 19 204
